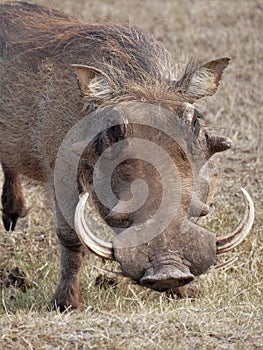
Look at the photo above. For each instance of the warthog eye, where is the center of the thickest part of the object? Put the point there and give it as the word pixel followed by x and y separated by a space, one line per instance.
pixel 116 133
pixel 110 136
pixel 195 126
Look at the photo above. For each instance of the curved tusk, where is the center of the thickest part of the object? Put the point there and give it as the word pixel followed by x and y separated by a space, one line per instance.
pixel 233 239
pixel 98 246
pixel 224 264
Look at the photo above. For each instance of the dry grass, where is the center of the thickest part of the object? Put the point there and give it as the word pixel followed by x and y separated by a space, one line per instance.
pixel 124 316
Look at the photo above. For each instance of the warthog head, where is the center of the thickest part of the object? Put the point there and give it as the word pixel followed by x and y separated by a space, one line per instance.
pixel 143 165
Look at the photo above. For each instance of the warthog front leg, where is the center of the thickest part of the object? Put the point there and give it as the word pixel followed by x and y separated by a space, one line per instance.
pixel 13 200
pixel 67 295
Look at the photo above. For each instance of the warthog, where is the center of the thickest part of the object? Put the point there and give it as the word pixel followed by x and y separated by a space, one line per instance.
pixel 104 97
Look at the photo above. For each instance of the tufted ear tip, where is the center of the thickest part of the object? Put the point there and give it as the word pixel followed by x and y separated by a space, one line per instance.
pixel 203 80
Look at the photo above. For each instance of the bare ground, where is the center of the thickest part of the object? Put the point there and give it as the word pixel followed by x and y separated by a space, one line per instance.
pixel 228 314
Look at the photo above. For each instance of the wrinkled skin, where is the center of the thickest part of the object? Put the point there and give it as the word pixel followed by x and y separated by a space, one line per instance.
pixel 49 82
pixel 173 258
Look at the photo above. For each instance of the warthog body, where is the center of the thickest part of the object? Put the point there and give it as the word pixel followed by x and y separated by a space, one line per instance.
pixel 56 70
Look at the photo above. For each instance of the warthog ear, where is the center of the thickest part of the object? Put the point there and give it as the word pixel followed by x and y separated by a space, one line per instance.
pixel 92 82
pixel 204 80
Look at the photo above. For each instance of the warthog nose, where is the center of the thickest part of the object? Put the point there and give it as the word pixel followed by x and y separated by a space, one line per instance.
pixel 166 277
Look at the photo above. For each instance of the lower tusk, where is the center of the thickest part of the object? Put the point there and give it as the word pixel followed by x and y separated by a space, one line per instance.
pixel 233 239
pixel 224 264
pixel 98 246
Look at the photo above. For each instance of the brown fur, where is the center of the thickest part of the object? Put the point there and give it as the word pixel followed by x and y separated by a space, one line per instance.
pixel 41 99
